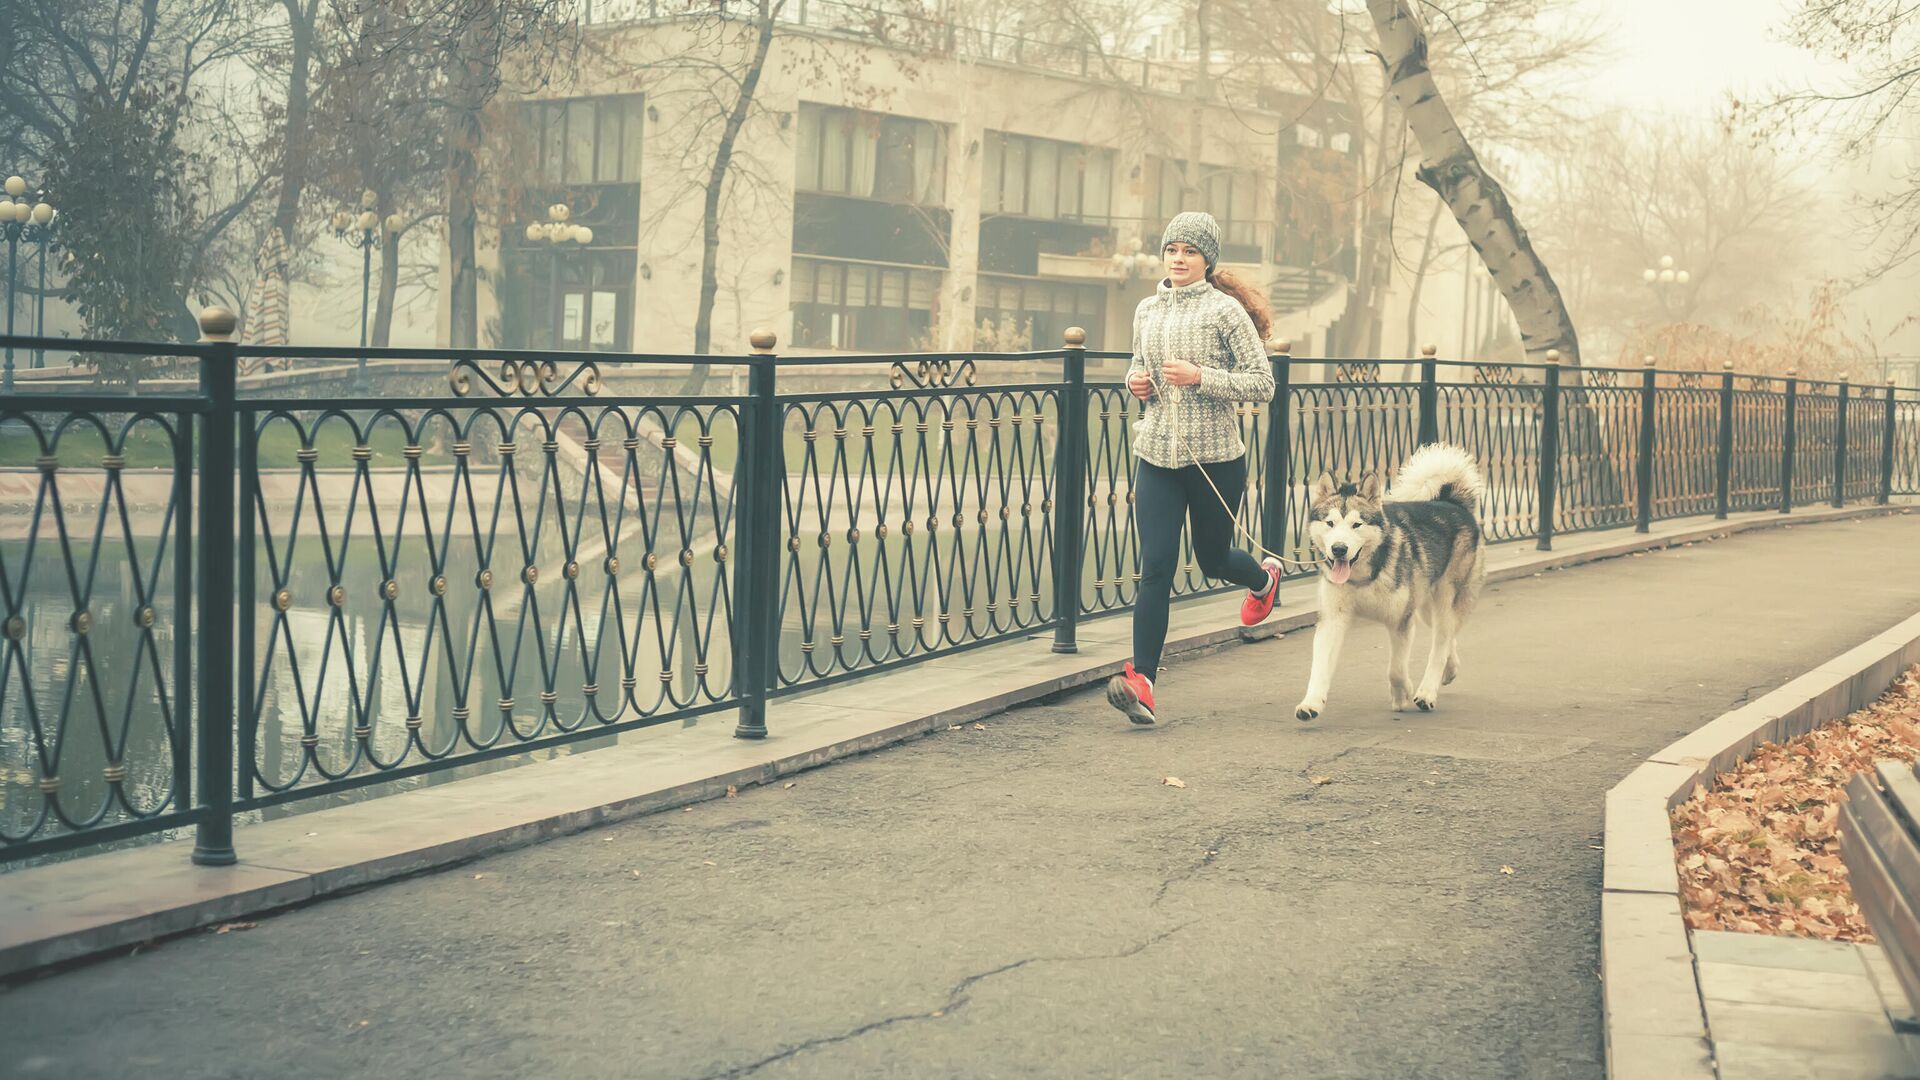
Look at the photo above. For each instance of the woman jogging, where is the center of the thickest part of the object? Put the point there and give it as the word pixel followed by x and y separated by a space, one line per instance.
pixel 1197 352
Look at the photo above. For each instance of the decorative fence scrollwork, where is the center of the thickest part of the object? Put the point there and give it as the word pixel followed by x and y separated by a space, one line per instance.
pixel 525 378
pixel 941 374
pixel 557 555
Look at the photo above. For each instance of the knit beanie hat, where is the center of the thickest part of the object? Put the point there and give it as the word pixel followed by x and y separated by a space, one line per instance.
pixel 1197 228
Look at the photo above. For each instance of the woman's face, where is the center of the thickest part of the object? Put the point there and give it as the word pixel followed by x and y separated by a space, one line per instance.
pixel 1185 265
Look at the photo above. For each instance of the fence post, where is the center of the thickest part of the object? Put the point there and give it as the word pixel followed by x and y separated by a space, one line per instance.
pixel 1429 396
pixel 1278 482
pixel 1723 465
pixel 1840 443
pixel 1643 465
pixel 1069 492
pixel 1787 435
pixel 1887 436
pixel 760 474
pixel 1549 450
pixel 213 836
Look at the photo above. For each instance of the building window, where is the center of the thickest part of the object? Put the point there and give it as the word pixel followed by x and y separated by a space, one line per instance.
pixel 1042 178
pixel 572 300
pixel 586 140
pixel 871 156
pixel 1230 195
pixel 863 306
pixel 1015 315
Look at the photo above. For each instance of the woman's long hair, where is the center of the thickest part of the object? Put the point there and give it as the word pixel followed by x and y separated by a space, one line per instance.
pixel 1249 298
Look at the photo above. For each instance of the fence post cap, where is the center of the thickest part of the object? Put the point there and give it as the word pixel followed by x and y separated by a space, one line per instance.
pixel 1792 372
pixel 1726 365
pixel 217 323
pixel 764 340
pixel 1429 350
pixel 1553 356
pixel 1843 377
pixel 1076 337
pixel 1280 348
pixel 1648 360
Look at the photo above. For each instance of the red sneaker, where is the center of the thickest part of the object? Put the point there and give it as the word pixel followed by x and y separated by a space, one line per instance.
pixel 1256 608
pixel 1131 693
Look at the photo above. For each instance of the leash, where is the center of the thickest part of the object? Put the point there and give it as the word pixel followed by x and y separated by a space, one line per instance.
pixel 1172 395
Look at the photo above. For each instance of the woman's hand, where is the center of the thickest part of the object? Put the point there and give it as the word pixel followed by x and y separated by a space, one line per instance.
pixel 1141 385
pixel 1180 373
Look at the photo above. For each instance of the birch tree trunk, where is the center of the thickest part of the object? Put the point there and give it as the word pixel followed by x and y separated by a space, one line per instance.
pixel 1450 167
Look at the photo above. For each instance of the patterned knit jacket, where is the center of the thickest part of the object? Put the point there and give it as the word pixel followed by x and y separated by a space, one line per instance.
pixel 1208 328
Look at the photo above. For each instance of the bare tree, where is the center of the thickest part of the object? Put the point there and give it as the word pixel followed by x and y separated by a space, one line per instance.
pixel 478 48
pixel 378 127
pixel 56 56
pixel 1880 43
pixel 707 71
pixel 1625 193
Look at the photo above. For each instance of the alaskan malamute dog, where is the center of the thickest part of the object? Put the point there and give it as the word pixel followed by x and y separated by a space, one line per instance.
pixel 1418 554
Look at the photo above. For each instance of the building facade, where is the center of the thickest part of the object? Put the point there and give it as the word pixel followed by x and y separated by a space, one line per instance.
pixel 938 190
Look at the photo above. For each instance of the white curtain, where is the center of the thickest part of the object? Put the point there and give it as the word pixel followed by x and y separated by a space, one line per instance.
pixel 866 157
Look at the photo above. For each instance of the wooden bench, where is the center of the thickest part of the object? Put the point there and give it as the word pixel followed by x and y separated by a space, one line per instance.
pixel 1880 843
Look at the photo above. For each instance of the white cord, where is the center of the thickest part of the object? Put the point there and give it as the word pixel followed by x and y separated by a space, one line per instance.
pixel 1172 395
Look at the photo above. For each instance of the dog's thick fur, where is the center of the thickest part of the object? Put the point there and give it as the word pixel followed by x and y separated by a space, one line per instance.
pixel 1418 554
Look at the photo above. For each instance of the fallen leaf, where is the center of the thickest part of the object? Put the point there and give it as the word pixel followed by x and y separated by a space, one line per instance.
pixel 477 877
pixel 1173 781
pixel 710 862
pixel 979 727
pixel 230 927
pixel 955 727
pixel 789 783
pixel 1505 869
pixel 732 791
pixel 1321 781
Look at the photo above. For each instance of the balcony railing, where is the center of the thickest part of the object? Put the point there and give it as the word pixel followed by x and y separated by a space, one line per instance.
pixel 243 593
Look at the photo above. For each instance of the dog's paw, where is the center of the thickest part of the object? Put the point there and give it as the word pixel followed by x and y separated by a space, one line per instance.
pixel 1307 710
pixel 1427 702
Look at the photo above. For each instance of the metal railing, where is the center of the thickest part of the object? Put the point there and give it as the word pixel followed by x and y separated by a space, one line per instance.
pixel 910 30
pixel 220 601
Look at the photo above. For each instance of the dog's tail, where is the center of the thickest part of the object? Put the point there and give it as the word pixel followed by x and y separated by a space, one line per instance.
pixel 1439 472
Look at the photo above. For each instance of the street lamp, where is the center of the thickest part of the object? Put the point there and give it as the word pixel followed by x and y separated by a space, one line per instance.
pixel 34 223
pixel 1665 276
pixel 362 230
pixel 561 234
pixel 1132 261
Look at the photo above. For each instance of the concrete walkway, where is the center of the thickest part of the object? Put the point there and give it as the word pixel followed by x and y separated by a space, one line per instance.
pixel 1032 900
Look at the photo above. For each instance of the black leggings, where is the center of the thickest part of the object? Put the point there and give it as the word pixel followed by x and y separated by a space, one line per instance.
pixel 1162 498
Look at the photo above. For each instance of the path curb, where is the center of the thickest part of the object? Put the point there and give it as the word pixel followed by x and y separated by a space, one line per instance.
pixel 57 914
pixel 1655 1014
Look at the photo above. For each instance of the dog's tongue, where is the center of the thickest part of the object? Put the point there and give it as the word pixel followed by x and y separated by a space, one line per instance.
pixel 1339 570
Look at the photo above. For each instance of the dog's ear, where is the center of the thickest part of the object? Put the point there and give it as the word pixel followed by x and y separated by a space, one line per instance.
pixel 1324 487
pixel 1370 487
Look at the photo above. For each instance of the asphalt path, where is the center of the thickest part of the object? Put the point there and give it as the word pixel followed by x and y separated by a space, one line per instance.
pixel 1032 898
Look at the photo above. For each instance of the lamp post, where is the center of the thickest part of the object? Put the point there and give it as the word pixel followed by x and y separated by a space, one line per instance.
pixel 32 222
pixel 562 235
pixel 362 231
pixel 1664 279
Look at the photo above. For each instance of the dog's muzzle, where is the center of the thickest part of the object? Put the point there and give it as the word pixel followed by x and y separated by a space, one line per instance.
pixel 1339 564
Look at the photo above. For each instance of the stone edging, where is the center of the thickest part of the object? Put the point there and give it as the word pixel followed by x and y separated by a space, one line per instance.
pixel 65 915
pixel 1656 1025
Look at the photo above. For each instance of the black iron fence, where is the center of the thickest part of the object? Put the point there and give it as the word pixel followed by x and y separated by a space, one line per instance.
pixel 228 596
